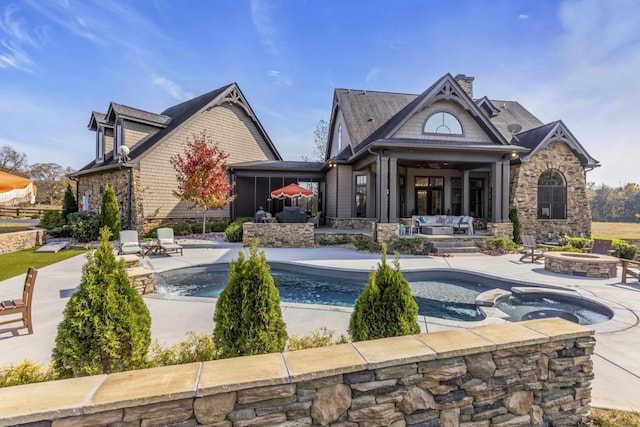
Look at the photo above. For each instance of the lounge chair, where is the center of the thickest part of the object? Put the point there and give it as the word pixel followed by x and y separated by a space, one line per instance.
pixel 20 307
pixel 531 250
pixel 129 243
pixel 166 241
pixel 630 269
pixel 601 247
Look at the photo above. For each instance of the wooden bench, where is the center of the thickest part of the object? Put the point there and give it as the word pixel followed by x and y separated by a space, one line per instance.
pixel 630 268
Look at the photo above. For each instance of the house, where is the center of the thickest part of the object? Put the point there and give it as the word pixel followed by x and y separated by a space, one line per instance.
pixel 389 156
pixel 134 147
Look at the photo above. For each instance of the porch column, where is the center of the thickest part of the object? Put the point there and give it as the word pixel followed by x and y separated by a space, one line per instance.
pixel 465 192
pixel 506 183
pixel 496 192
pixel 383 187
pixel 393 190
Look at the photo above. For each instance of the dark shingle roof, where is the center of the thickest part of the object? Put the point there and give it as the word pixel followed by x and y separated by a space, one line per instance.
pixel 532 137
pixel 511 112
pixel 136 114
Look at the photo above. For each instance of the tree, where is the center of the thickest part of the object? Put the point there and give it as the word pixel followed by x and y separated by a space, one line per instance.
pixel 513 216
pixel 386 307
pixel 202 175
pixel 320 141
pixel 248 317
pixel 110 211
pixel 106 326
pixel 51 181
pixel 69 203
pixel 13 162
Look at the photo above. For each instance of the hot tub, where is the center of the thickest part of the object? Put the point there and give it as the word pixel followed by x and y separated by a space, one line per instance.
pixel 579 264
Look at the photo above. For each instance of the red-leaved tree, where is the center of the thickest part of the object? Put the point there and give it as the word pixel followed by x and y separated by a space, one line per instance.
pixel 202 175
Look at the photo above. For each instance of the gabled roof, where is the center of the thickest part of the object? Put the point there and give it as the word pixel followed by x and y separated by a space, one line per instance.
pixel 488 107
pixel 96 118
pixel 135 115
pixel 538 138
pixel 445 88
pixel 179 114
pixel 512 113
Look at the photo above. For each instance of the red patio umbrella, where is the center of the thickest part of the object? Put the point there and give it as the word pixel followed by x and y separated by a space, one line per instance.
pixel 291 191
pixel 16 189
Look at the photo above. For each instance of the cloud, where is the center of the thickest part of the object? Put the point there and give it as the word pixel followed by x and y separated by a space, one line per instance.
pixel 262 18
pixel 279 78
pixel 523 16
pixel 173 89
pixel 371 76
pixel 15 36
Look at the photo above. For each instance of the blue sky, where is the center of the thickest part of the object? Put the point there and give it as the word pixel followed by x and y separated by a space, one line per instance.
pixel 574 60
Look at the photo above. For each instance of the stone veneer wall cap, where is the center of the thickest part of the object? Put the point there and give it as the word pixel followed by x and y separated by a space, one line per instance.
pixel 456 342
pixel 510 335
pixel 391 351
pixel 34 402
pixel 145 386
pixel 313 363
pixel 238 373
pixel 558 329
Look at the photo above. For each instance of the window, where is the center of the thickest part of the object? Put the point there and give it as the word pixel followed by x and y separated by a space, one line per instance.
pixel 361 196
pixel 443 123
pixel 552 195
pixel 100 144
pixel 340 137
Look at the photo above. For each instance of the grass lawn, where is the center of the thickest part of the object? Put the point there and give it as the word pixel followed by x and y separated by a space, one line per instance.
pixel 616 230
pixel 16 263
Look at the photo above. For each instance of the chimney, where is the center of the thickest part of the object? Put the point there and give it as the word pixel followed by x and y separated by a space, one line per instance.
pixel 466 83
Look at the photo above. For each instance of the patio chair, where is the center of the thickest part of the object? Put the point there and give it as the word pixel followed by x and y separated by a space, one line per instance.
pixel 531 250
pixel 21 306
pixel 630 269
pixel 315 219
pixel 129 243
pixel 601 247
pixel 167 242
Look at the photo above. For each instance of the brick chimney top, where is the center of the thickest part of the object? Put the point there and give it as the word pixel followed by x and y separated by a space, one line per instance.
pixel 466 83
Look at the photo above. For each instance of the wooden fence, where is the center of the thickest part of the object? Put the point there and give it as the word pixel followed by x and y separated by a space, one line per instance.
pixel 25 212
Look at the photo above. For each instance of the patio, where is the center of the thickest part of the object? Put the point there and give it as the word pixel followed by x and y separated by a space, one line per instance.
pixel 617 370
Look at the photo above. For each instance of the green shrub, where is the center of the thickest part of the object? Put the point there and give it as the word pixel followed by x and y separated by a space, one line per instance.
pixel 51 219
pixel 499 246
pixel 622 249
pixel 64 231
pixel 106 326
pixel 110 211
pixel 181 229
pixel 195 348
pixel 234 230
pixel 576 242
pixel 338 240
pixel 565 248
pixel 385 308
pixel 85 226
pixel 25 372
pixel 513 217
pixel 218 227
pixel 69 203
pixel 248 317
pixel 413 245
pixel 322 337
pixel 366 245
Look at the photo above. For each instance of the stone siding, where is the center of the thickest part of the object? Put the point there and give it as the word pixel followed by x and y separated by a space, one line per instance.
pixel 279 235
pixel 21 240
pixel 584 265
pixel 524 193
pixel 368 224
pixel 388 233
pixel 534 373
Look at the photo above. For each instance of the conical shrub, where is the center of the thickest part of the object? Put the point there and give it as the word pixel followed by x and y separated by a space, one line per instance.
pixel 386 307
pixel 248 318
pixel 110 211
pixel 106 326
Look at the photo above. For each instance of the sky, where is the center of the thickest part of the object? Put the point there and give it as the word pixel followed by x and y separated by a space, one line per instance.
pixel 575 60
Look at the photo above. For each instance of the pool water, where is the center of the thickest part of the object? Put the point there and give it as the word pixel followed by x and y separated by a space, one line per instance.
pixel 445 299
pixel 530 307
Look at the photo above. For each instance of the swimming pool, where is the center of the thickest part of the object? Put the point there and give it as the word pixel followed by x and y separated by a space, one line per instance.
pixel 447 294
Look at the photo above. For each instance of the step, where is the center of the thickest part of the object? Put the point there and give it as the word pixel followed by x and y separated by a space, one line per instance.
pixel 465 250
pixel 452 244
pixel 455 247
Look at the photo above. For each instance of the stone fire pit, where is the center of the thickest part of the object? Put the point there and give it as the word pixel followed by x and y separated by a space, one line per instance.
pixel 577 264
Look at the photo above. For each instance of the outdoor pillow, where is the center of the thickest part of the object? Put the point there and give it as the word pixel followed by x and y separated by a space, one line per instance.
pixel 450 220
pixel 168 241
pixel 422 220
pixel 129 244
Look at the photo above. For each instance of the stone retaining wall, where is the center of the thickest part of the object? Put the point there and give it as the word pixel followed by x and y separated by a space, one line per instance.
pixel 21 240
pixel 279 235
pixel 577 264
pixel 534 373
pixel 352 223
pixel 388 233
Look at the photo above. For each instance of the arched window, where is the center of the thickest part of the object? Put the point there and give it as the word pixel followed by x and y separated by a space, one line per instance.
pixel 552 195
pixel 443 123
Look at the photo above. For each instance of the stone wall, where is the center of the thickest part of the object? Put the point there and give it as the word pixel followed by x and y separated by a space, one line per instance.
pixel 352 223
pixel 21 240
pixel 524 194
pixel 503 229
pixel 387 232
pixel 534 373
pixel 279 235
pixel 585 265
